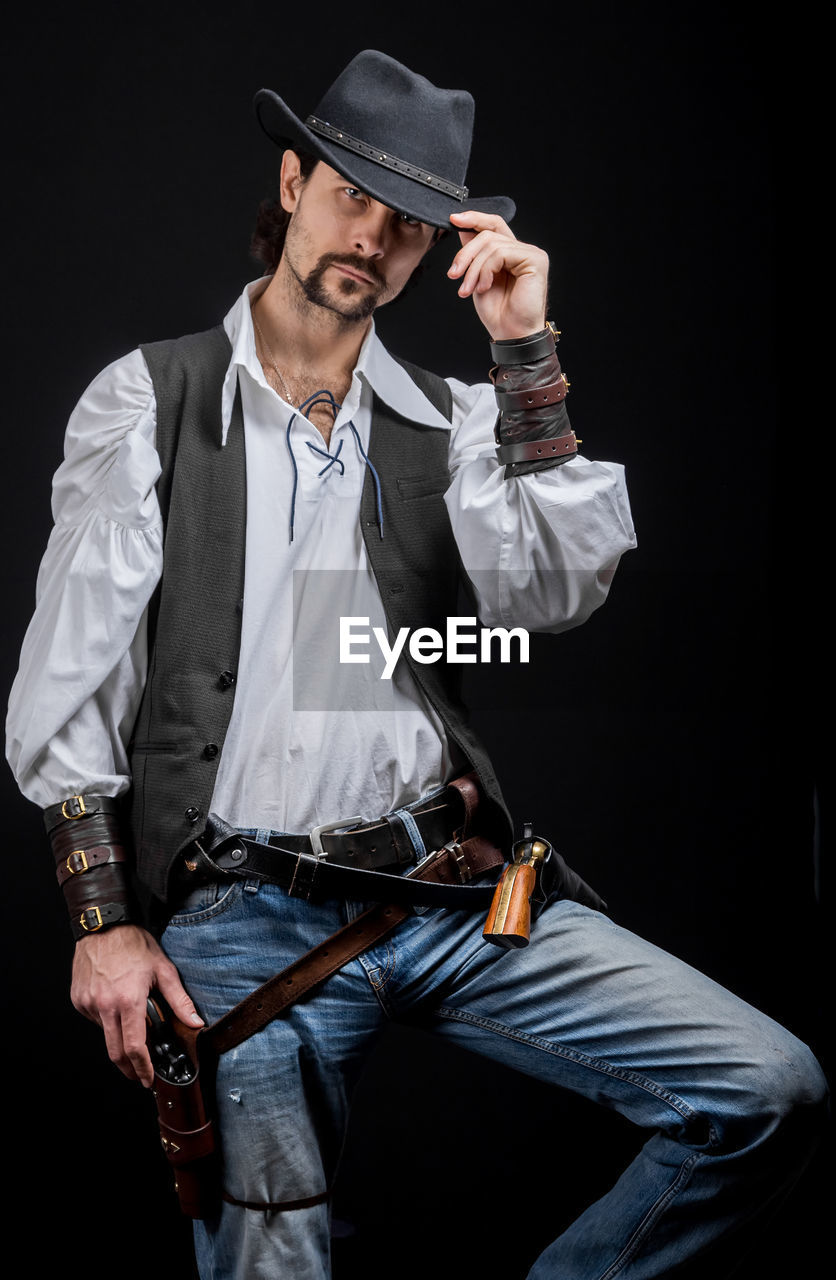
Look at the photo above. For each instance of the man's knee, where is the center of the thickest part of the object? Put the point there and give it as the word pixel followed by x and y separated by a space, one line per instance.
pixel 796 1079
pixel 788 1092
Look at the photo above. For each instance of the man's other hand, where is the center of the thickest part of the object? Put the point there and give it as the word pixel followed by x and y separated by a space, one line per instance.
pixel 507 279
pixel 113 972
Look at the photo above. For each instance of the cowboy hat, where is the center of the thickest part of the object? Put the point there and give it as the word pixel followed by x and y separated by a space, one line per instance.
pixel 391 132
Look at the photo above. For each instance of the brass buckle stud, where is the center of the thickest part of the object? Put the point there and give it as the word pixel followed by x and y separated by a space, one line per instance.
pixel 80 809
pixel 95 913
pixel 77 862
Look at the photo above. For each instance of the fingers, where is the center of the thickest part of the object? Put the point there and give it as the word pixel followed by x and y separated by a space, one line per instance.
pixel 121 1015
pixel 179 1000
pixel 487 256
pixel 478 263
pixel 124 1032
pixel 471 218
pixel 475 230
pixel 488 252
pixel 112 976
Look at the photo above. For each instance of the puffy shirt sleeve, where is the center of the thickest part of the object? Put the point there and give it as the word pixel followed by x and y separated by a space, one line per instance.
pixel 539 549
pixel 84 657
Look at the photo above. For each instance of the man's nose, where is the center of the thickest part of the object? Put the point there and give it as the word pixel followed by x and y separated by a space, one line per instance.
pixel 371 230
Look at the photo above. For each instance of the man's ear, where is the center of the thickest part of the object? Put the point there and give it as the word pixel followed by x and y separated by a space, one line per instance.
pixel 290 181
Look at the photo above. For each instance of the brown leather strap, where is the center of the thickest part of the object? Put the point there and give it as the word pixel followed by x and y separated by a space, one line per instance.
pixel 78 806
pixel 277 1206
pixel 82 860
pixel 98 916
pixel 538 450
pixel 532 397
pixel 468 789
pixel 285 988
pixel 183 1146
pixel 535 346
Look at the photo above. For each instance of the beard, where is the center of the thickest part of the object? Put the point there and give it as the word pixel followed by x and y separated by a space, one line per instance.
pixel 352 299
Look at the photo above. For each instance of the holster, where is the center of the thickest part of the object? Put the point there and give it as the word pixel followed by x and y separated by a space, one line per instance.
pixel 187 1132
pixel 556 879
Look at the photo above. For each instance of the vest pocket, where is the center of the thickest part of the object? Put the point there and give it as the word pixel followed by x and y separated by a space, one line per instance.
pixel 423 486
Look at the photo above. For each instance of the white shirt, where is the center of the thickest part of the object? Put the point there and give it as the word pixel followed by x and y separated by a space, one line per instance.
pixel 540 549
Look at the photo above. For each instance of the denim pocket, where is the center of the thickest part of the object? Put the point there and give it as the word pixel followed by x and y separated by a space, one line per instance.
pixel 206 901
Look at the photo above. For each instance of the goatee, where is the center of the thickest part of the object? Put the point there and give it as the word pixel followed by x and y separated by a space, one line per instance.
pixel 365 297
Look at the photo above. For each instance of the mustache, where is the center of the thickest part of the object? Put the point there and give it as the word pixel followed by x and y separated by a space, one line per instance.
pixel 356 263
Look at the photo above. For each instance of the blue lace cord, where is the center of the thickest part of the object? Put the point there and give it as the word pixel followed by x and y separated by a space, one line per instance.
pixel 325 397
pixel 332 458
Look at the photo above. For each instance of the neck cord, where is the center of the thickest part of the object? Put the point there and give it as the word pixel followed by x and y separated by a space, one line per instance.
pixel 267 348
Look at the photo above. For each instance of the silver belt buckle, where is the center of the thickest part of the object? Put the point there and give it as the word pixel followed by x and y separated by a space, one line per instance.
pixel 315 836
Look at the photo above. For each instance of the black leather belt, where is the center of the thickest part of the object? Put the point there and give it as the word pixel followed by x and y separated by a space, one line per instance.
pixel 303 875
pixel 384 843
pixel 350 864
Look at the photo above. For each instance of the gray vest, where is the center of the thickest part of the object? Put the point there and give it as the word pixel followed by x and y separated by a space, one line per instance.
pixel 195 616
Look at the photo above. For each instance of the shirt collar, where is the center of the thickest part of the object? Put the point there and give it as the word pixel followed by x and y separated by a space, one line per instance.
pixel 388 379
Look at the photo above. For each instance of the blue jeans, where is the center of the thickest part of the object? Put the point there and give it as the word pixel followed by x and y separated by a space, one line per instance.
pixel 731 1101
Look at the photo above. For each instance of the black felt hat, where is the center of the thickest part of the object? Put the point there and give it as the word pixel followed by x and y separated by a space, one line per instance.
pixel 393 134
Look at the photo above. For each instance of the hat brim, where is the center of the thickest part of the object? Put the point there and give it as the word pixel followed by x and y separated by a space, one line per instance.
pixel 393 189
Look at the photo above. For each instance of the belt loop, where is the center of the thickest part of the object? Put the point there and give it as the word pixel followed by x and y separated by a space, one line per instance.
pixel 402 839
pixel 411 828
pixel 304 876
pixel 412 831
pixel 262 835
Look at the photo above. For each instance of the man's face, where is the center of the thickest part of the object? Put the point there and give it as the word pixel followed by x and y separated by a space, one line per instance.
pixel 348 252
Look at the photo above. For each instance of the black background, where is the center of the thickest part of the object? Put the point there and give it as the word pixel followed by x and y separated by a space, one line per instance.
pixel 669 747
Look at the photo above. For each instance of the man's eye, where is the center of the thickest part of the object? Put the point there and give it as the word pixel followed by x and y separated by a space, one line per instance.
pixel 354 193
pixel 410 222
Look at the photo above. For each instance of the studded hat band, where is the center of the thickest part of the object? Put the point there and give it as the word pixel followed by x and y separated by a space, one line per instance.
pixel 386 159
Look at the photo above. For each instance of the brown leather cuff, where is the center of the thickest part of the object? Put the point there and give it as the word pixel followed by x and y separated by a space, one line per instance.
pixel 562 447
pixel 90 863
pixel 533 429
pixel 74 808
pixel 511 351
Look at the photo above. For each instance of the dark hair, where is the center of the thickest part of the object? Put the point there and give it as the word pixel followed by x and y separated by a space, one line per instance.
pixel 271 223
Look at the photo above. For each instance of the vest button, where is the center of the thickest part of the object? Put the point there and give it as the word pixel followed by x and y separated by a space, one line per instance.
pixel 192 813
pixel 226 679
pixel 210 751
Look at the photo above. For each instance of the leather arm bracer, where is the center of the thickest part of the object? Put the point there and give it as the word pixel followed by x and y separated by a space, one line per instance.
pixel 533 429
pixel 90 862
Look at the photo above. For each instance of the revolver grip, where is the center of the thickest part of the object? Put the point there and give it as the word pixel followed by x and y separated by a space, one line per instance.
pixel 509 918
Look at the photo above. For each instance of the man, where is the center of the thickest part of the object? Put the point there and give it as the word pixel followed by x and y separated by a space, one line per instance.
pixel 301 472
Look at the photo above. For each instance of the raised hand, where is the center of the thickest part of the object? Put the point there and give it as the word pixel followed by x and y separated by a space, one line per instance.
pixel 506 278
